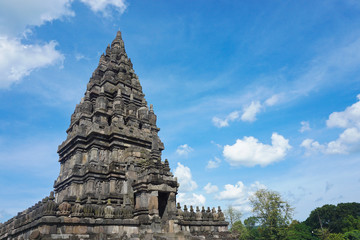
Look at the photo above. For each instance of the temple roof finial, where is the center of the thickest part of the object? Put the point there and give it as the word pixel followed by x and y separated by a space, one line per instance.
pixel 118 35
pixel 118 40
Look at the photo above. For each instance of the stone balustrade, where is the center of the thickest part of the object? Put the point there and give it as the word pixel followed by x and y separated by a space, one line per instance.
pixel 189 214
pixel 48 207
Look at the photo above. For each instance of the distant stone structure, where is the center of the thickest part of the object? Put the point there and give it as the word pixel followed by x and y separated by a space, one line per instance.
pixel 112 182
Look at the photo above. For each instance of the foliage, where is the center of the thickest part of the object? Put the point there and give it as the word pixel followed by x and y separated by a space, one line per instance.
pixel 336 236
pixel 350 223
pixel 232 215
pixel 352 235
pixel 299 230
pixel 252 228
pixel 340 218
pixel 273 213
pixel 251 222
pixel 240 230
pixel 272 217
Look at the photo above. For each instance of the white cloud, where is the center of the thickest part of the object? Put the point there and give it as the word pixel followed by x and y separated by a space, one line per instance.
pixel 250 152
pixel 209 188
pixel 17 16
pixel 79 56
pixel 312 146
pixel 192 199
pixel 225 122
pixel 184 176
pixel 271 101
pixel 232 192
pixel 239 194
pixel 348 141
pixel 216 144
pixel 249 114
pixel 103 5
pixel 18 60
pixel 213 163
pixel 184 150
pixel 305 126
pixel 346 119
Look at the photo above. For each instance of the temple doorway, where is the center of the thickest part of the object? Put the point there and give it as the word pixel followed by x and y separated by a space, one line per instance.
pixel 162 200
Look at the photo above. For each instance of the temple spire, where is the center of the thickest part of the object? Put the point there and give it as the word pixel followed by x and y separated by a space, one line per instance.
pixel 118 41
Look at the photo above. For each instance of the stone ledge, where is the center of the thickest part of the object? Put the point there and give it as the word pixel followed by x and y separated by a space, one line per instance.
pixel 71 221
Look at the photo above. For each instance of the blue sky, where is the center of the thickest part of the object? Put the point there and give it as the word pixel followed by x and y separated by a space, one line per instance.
pixel 248 94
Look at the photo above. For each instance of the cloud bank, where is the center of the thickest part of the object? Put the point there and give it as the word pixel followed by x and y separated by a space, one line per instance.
pixel 103 5
pixel 250 152
pixel 183 173
pixel 17 20
pixel 184 150
pixel 238 195
pixel 248 113
pixel 18 60
pixel 348 141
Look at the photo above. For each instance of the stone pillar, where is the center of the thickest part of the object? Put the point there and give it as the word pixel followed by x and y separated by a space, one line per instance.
pixel 112 187
pixel 84 158
pixel 78 157
pixel 94 154
pixel 144 200
pixel 90 186
pixel 153 203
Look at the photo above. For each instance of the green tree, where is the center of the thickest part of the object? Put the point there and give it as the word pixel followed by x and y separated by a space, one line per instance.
pixel 240 230
pixel 336 236
pixel 338 219
pixel 322 217
pixel 232 215
pixel 350 223
pixel 352 235
pixel 273 213
pixel 322 233
pixel 252 227
pixel 251 222
pixel 299 230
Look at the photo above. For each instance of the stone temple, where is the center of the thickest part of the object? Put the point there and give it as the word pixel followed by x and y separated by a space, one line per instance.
pixel 112 182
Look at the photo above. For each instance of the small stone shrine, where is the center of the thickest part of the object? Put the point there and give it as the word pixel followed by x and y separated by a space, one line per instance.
pixel 112 182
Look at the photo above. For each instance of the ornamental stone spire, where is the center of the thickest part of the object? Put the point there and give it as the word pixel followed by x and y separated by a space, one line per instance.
pixel 111 125
pixel 112 182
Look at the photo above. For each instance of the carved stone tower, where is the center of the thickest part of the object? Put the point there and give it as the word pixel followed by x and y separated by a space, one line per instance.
pixel 112 182
pixel 112 151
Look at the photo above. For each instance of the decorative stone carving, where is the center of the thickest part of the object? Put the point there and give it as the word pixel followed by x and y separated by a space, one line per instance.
pixel 180 213
pixel 215 215
pixel 186 213
pixel 203 214
pixel 77 209
pixel 50 207
pixel 118 186
pixel 109 210
pixel 220 215
pixel 198 214
pixel 192 214
pixel 64 209
pixel 88 209
pixel 128 211
pixel 124 236
pixel 118 211
pixel 99 210
pixel 209 214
